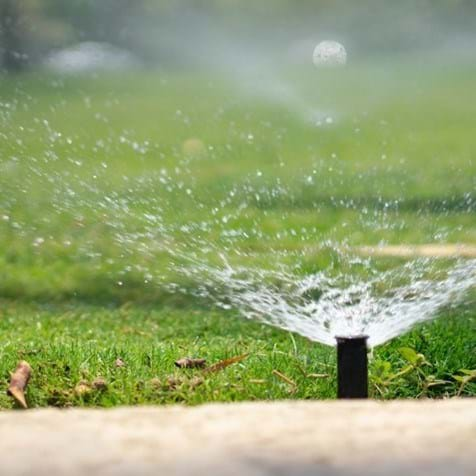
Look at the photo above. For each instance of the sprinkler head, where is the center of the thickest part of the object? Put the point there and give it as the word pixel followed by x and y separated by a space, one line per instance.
pixel 352 372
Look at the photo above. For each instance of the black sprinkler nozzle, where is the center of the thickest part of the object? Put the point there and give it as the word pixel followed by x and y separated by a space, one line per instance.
pixel 352 371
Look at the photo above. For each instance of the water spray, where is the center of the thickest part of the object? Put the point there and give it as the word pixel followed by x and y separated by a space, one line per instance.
pixel 352 371
pixel 329 53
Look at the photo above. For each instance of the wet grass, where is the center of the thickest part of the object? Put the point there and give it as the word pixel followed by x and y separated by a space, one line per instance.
pixel 80 162
pixel 71 344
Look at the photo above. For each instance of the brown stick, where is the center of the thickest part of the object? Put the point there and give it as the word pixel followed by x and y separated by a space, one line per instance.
pixel 284 378
pixel 225 363
pixel 18 382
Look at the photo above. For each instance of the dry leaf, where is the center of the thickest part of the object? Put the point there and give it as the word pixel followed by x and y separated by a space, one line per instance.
pixel 82 389
pixel 119 363
pixel 99 383
pixel 225 363
pixel 188 363
pixel 172 383
pixel 155 382
pixel 284 378
pixel 18 382
pixel 195 382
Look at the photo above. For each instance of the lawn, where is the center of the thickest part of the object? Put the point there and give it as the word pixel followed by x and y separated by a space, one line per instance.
pixel 108 182
pixel 72 346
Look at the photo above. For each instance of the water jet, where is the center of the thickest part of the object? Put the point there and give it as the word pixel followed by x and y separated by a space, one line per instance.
pixel 352 368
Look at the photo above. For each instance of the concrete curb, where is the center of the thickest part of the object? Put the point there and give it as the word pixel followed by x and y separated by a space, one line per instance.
pixel 256 439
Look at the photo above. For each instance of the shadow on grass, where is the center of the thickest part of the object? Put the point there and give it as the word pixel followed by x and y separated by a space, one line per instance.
pixel 452 204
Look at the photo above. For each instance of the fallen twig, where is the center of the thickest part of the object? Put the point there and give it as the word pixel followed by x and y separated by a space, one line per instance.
pixel 317 375
pixel 225 363
pixel 257 381
pixel 18 382
pixel 284 378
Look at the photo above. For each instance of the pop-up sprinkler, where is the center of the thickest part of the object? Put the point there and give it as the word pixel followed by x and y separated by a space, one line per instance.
pixel 352 373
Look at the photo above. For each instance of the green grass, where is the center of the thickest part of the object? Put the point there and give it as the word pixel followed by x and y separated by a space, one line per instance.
pixel 68 344
pixel 83 265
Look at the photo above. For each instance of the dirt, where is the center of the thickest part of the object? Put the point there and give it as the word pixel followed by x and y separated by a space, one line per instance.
pixel 415 251
pixel 252 439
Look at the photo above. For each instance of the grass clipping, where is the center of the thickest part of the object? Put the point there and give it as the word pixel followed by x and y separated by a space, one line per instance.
pixel 18 382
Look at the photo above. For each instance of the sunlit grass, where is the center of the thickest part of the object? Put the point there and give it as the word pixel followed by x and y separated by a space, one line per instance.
pixel 395 166
pixel 71 343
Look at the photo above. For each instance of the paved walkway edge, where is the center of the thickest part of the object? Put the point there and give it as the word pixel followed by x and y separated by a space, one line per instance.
pixel 276 438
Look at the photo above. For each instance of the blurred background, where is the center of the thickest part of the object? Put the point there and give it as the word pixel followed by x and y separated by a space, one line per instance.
pixel 178 33
pixel 132 119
